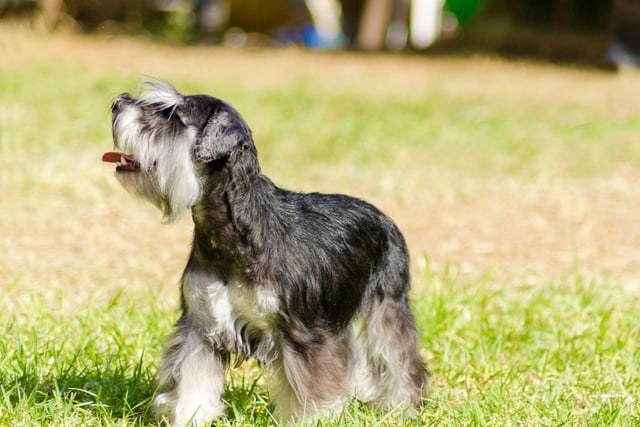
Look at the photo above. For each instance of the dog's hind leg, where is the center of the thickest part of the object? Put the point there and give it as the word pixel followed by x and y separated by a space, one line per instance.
pixel 192 373
pixel 391 342
pixel 309 377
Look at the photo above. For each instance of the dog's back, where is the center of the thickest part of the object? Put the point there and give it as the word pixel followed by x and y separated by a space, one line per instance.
pixel 334 255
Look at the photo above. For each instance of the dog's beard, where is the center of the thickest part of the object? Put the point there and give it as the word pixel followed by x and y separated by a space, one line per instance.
pixel 165 173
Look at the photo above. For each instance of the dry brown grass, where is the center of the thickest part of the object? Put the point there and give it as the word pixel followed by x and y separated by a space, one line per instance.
pixel 69 226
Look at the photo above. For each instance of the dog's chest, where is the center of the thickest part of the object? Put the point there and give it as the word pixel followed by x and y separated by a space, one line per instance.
pixel 253 304
pixel 240 312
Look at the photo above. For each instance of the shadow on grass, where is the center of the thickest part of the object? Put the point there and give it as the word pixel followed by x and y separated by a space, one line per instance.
pixel 247 403
pixel 110 393
pixel 115 393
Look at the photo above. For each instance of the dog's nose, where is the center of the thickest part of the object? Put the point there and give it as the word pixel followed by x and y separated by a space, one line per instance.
pixel 115 107
pixel 119 101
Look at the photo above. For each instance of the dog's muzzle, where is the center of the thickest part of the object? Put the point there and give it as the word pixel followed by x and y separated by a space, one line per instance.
pixel 125 162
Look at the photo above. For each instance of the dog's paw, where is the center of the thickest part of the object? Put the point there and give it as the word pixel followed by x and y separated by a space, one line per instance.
pixel 164 406
pixel 197 415
pixel 186 413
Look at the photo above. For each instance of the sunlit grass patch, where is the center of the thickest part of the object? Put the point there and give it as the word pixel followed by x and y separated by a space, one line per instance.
pixel 544 353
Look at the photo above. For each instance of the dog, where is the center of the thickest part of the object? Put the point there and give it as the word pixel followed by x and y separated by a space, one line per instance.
pixel 314 286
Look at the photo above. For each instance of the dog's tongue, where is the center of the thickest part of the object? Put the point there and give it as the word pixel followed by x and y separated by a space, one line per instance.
pixel 127 161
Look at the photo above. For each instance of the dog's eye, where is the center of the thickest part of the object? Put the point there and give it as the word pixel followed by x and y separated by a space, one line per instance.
pixel 171 114
pixel 167 113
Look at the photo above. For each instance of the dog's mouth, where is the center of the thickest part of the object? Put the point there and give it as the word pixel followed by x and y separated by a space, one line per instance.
pixel 125 162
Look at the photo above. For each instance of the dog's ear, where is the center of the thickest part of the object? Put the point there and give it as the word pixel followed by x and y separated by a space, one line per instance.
pixel 224 133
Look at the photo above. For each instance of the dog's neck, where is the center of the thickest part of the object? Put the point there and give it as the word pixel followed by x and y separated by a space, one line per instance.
pixel 223 229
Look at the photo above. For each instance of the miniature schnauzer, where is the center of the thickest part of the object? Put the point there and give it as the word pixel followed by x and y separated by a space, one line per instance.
pixel 314 286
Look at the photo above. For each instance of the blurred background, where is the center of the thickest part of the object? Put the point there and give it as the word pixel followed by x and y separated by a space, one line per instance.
pixel 602 33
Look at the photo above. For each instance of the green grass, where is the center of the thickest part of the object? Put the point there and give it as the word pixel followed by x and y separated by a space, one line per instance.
pixel 564 353
pixel 87 275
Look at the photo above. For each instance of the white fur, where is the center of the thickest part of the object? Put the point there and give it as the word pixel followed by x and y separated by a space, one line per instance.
pixel 220 310
pixel 196 398
pixel 359 374
pixel 383 345
pixel 168 160
pixel 217 310
pixel 160 93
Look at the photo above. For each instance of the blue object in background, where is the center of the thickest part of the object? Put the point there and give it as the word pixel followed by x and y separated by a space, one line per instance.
pixel 312 39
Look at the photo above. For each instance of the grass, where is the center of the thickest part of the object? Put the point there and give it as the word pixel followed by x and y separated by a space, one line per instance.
pixel 564 353
pixel 519 207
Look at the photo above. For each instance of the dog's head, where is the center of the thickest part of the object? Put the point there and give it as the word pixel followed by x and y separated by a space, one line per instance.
pixel 167 139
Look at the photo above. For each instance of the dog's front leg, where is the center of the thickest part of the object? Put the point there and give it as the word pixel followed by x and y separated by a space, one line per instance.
pixel 192 372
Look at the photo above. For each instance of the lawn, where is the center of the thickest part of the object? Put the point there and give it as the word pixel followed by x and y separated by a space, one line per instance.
pixel 516 185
